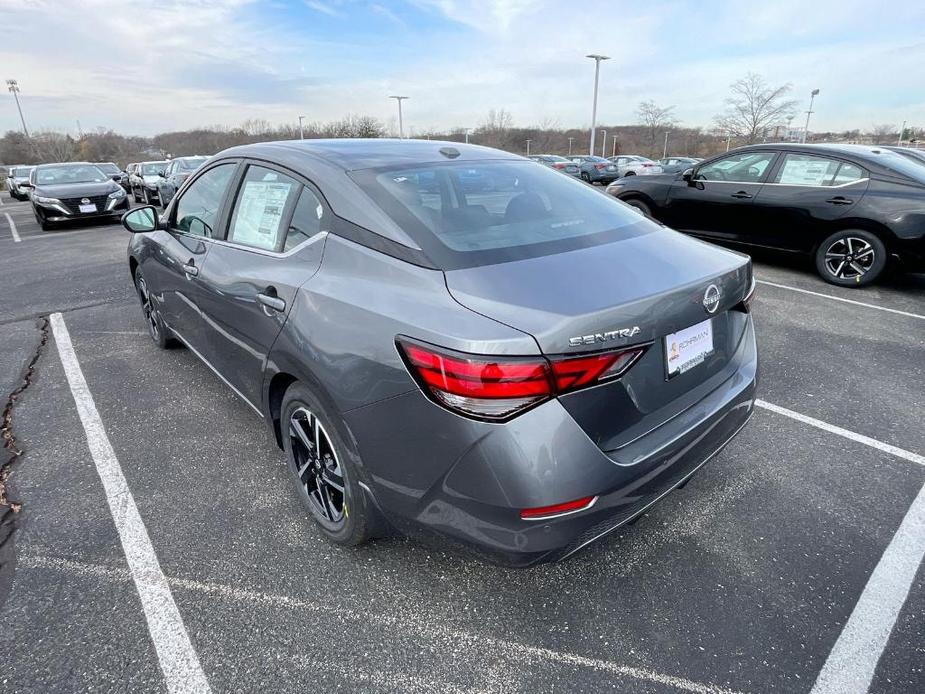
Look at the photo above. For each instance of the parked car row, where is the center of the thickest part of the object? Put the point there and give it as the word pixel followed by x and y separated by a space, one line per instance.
pixel 851 208
pixel 158 181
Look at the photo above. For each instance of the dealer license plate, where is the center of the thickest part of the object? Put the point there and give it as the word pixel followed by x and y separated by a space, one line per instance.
pixel 87 208
pixel 688 348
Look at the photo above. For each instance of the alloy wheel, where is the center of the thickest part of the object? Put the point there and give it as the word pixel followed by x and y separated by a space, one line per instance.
pixel 316 464
pixel 147 306
pixel 849 258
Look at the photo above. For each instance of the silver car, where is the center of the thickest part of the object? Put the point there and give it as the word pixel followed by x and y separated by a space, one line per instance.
pixel 15 178
pixel 635 165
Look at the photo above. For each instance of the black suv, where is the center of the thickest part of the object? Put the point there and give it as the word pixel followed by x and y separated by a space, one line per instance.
pixel 851 207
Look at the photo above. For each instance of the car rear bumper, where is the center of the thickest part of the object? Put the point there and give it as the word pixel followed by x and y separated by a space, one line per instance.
pixel 454 481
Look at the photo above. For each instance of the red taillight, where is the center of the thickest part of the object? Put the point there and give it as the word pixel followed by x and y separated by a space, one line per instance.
pixel 497 388
pixel 544 512
pixel 600 167
pixel 558 165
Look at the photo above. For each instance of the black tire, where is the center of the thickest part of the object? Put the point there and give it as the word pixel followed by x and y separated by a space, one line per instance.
pixel 135 194
pixel 343 517
pixel 158 331
pixel 851 258
pixel 585 177
pixel 629 173
pixel 641 206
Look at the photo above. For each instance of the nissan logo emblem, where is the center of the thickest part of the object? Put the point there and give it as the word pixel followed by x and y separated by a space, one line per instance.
pixel 711 298
pixel 85 201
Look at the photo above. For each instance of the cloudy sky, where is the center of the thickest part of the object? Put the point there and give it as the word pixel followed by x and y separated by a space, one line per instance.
pixel 144 68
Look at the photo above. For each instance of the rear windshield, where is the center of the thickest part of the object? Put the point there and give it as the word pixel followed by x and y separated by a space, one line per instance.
pixel 901 164
pixel 466 214
pixel 108 168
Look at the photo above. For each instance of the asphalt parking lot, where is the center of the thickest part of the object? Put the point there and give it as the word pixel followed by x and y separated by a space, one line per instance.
pixel 796 551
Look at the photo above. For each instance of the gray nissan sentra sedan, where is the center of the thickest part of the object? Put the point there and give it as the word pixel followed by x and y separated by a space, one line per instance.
pixel 517 367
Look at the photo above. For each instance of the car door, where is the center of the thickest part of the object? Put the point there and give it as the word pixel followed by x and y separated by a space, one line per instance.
pixel 251 278
pixel 179 252
pixel 804 194
pixel 717 198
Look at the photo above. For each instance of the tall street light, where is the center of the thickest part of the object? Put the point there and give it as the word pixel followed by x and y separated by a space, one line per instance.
pixel 401 126
pixel 13 87
pixel 603 143
pixel 812 96
pixel 570 146
pixel 614 152
pixel 597 73
pixel 301 132
pixel 528 147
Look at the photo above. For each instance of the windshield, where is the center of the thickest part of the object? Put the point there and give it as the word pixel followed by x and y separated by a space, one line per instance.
pixel 21 171
pixel 191 164
pixel 69 173
pixel 467 214
pixel 108 168
pixel 153 168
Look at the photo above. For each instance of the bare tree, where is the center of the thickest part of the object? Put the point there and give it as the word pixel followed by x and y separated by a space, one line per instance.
pixel 52 146
pixel 497 121
pixel 655 118
pixel 754 106
pixel 884 133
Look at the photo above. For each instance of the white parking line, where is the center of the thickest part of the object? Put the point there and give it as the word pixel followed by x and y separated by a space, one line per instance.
pixel 429 631
pixel 178 660
pixel 854 436
pixel 838 298
pixel 851 665
pixel 9 220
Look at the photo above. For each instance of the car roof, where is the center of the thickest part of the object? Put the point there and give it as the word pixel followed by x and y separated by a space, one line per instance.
pixel 867 153
pixel 353 154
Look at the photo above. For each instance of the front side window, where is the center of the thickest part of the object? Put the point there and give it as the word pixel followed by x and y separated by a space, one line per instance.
pixel 806 170
pixel 743 167
pixel 198 207
pixel 477 213
pixel 259 210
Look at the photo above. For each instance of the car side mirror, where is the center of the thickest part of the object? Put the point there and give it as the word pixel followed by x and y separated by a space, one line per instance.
pixel 688 175
pixel 162 174
pixel 141 219
pixel 26 184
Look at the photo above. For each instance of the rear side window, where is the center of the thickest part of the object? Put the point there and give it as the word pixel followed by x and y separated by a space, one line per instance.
pixel 260 208
pixel 806 170
pixel 465 214
pixel 848 173
pixel 198 207
pixel 306 220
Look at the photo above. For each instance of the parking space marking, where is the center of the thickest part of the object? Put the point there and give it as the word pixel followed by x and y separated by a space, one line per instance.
pixel 838 298
pixel 9 220
pixel 853 660
pixel 431 630
pixel 854 436
pixel 176 655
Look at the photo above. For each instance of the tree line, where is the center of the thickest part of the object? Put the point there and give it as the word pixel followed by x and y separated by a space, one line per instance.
pixel 755 111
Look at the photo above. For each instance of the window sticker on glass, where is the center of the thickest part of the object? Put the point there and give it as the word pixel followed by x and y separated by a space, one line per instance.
pixel 807 171
pixel 260 212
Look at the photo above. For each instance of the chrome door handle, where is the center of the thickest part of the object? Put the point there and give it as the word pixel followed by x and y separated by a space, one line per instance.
pixel 191 270
pixel 839 200
pixel 742 195
pixel 272 302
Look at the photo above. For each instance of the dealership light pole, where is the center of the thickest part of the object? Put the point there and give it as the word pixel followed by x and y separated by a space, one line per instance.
pixel 570 146
pixel 614 153
pixel 665 150
pixel 812 96
pixel 528 147
pixel 301 132
pixel 13 87
pixel 902 131
pixel 401 126
pixel 603 143
pixel 597 73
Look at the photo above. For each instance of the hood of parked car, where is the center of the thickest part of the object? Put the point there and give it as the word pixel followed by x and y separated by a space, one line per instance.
pixel 76 190
pixel 151 179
